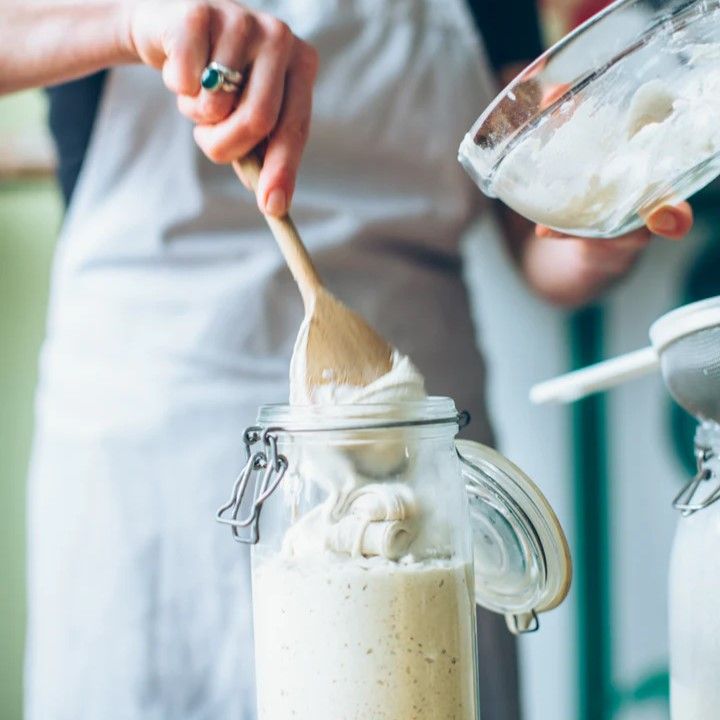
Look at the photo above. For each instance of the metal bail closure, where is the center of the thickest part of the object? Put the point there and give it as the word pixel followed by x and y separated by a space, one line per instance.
pixel 269 467
pixel 521 557
pixel 685 500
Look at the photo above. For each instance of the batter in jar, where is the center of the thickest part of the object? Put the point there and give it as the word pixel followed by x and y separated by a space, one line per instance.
pixel 364 639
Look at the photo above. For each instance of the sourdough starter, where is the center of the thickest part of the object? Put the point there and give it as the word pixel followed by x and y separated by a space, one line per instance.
pixel 364 639
pixel 350 622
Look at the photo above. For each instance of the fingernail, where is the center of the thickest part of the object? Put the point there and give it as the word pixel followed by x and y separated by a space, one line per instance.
pixel 276 202
pixel 543 231
pixel 664 221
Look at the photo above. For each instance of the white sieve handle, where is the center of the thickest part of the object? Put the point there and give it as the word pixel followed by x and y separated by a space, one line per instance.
pixel 575 385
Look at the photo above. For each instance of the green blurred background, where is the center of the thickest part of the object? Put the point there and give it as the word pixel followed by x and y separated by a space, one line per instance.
pixel 30 212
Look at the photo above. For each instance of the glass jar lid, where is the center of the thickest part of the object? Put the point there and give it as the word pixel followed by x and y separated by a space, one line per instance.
pixel 522 560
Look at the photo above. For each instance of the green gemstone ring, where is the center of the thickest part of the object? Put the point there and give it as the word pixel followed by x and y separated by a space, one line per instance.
pixel 217 76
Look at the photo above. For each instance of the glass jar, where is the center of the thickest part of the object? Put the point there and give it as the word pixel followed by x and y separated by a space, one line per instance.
pixel 378 534
pixel 695 588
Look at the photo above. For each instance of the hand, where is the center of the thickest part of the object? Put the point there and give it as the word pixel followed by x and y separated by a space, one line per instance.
pixel 180 37
pixel 572 271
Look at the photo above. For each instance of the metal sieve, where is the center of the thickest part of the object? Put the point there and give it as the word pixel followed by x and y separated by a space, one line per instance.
pixel 686 347
pixel 687 341
pixel 691 368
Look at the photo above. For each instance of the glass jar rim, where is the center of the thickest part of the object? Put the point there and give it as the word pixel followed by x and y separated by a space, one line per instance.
pixel 434 410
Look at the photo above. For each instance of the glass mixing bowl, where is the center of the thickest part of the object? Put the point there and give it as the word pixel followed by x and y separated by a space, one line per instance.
pixel 618 118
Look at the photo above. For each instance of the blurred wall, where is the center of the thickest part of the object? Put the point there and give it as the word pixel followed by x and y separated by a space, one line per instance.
pixel 29 218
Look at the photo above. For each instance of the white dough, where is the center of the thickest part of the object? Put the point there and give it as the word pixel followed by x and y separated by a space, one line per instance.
pixel 604 156
pixel 364 640
pixel 403 382
pixel 651 103
pixel 344 474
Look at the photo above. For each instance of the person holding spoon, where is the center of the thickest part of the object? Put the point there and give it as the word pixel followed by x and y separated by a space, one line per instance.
pixel 173 317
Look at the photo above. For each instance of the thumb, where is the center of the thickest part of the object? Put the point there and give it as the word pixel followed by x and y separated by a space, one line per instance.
pixel 671 221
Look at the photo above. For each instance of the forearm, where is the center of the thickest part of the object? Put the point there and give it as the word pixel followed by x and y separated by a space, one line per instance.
pixel 43 42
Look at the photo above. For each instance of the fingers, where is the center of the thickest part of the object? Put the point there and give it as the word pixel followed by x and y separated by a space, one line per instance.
pixel 274 104
pixel 287 142
pixel 257 114
pixel 186 49
pixel 671 221
pixel 636 239
pixel 174 38
pixel 545 232
pixel 551 93
pixel 608 258
pixel 616 256
pixel 277 105
pixel 236 37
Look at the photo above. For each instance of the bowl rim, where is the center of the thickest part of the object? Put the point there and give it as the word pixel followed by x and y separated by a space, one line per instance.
pixel 485 174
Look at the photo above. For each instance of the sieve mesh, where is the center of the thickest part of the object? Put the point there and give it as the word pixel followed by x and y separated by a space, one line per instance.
pixel 691 369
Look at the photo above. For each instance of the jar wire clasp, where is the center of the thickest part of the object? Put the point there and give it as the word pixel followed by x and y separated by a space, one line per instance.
pixel 271 466
pixel 684 500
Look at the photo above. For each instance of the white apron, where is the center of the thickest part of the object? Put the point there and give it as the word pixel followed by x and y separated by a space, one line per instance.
pixel 173 317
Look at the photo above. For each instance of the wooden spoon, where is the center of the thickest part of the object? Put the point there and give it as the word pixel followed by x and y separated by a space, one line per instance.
pixel 342 349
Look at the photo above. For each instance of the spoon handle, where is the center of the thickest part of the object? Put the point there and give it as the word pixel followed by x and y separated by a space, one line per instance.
pixel 283 229
pixel 594 378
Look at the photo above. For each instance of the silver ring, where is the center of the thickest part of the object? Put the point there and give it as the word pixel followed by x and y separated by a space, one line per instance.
pixel 217 76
